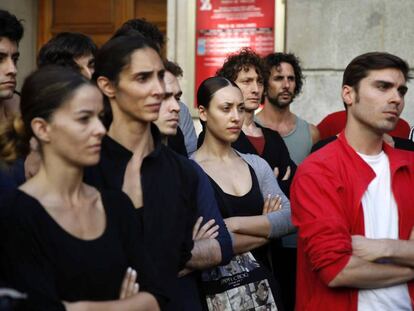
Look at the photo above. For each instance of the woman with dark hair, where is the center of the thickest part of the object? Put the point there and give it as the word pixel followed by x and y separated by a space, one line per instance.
pixel 162 184
pixel 245 69
pixel 242 182
pixel 64 243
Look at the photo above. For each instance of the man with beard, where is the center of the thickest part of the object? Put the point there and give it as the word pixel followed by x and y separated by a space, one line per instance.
pixel 284 81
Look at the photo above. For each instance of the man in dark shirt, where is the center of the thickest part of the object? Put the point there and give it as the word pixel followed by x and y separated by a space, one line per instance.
pixel 11 32
pixel 169 116
pixel 207 208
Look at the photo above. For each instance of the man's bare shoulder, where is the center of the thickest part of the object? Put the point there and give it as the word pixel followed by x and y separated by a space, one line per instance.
pixel 314 133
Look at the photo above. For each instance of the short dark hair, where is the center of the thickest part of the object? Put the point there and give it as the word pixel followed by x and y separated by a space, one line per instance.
pixel 241 60
pixel 10 26
pixel 275 59
pixel 64 48
pixel 360 66
pixel 174 68
pixel 145 28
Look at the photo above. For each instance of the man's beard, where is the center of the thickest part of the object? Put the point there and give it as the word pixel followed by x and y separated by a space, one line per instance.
pixel 280 104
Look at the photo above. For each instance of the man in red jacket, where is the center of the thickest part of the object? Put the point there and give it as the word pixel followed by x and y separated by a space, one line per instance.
pixel 353 203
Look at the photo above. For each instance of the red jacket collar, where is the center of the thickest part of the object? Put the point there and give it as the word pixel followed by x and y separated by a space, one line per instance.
pixel 397 158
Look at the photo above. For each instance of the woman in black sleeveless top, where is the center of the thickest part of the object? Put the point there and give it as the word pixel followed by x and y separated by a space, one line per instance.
pixel 248 204
pixel 240 199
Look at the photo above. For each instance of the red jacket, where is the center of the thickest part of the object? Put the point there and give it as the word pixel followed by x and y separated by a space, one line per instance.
pixel 326 207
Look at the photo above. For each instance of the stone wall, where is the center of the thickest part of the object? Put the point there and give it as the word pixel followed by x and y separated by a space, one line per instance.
pixel 328 34
pixel 325 34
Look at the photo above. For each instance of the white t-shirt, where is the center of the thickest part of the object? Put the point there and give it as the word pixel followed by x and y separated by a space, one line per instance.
pixel 381 222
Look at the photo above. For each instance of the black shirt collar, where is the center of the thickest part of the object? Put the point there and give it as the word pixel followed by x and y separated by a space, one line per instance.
pixel 118 151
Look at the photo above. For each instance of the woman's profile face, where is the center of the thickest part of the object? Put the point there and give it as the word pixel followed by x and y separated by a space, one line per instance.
pixel 75 130
pixel 140 90
pixel 225 115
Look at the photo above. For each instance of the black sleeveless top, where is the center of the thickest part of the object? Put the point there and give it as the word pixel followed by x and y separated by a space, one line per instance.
pixel 250 204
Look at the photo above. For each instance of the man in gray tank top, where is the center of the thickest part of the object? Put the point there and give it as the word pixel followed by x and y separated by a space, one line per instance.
pixel 284 82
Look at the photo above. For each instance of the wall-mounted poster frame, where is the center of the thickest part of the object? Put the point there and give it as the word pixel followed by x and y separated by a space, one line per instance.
pixel 226 26
pixel 202 32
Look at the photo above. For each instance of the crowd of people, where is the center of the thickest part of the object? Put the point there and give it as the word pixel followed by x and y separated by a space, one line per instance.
pixel 110 201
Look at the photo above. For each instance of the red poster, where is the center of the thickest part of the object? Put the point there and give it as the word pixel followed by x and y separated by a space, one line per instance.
pixel 226 26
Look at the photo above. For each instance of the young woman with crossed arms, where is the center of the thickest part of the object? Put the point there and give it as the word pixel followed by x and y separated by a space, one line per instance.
pixel 64 243
pixel 254 207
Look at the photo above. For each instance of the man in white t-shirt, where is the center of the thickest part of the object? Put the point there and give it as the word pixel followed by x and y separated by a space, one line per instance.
pixel 353 201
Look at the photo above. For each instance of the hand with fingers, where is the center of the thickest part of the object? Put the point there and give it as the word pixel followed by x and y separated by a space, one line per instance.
pixel 208 231
pixel 276 171
pixel 287 174
pixel 272 204
pixel 129 286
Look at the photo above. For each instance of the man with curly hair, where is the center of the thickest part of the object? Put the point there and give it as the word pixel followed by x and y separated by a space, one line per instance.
pixel 284 81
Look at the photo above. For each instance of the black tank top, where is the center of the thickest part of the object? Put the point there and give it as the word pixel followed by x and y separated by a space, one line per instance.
pixel 250 204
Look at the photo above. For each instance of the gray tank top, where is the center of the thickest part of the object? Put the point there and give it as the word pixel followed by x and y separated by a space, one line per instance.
pixel 299 141
pixel 299 144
